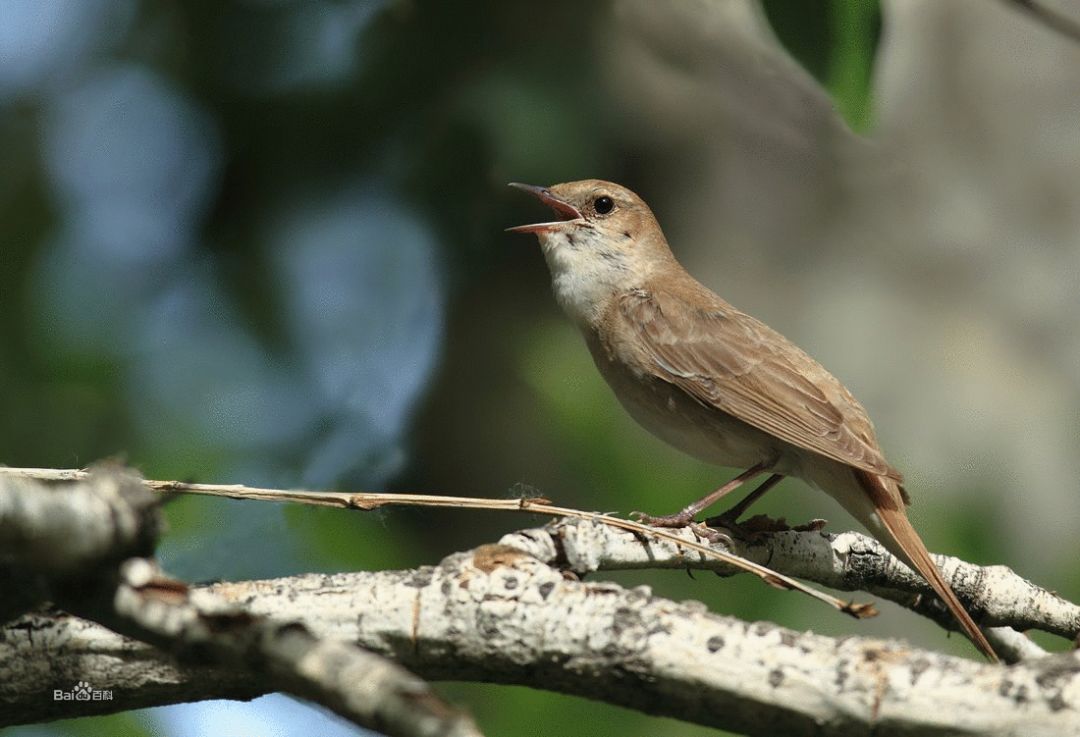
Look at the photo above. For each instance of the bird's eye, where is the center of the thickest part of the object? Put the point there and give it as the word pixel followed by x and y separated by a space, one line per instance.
pixel 603 205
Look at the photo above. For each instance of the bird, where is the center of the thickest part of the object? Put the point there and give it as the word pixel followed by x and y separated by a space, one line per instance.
pixel 715 382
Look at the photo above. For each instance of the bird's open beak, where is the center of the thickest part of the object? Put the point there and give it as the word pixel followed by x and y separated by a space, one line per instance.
pixel 564 210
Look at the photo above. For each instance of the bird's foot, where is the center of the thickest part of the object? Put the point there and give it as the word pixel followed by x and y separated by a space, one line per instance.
pixel 684 520
pixel 711 535
pixel 755 529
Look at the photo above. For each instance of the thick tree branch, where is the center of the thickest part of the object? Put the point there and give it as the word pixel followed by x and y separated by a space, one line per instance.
pixel 281 653
pixel 496 614
pixel 509 613
pixel 67 542
pixel 61 537
pixel 995 595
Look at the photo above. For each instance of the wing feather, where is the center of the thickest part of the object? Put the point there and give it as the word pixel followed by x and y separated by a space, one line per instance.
pixel 727 360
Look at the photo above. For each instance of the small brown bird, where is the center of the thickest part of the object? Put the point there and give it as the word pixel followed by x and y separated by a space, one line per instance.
pixel 713 381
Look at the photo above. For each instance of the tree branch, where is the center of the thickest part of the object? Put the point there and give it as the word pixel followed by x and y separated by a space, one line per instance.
pixel 497 614
pixel 59 538
pixel 995 595
pixel 43 543
pixel 367 501
pixel 282 653
pixel 509 613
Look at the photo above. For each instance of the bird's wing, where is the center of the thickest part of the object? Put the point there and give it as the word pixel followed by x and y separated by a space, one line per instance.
pixel 729 361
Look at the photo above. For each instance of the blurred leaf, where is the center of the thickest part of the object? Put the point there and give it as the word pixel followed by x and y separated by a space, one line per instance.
pixel 854 28
pixel 835 40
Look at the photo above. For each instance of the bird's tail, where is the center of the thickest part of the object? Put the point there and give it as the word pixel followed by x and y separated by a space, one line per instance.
pixel 903 542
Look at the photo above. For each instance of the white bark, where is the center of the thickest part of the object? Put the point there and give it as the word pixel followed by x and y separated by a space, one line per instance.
pixel 995 595
pixel 849 561
pixel 508 613
pixel 51 532
pixel 68 543
pixel 283 654
pixel 61 528
pixel 497 614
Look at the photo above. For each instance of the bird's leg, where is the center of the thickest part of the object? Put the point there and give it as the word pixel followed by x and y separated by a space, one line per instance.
pixel 755 527
pixel 730 518
pixel 686 516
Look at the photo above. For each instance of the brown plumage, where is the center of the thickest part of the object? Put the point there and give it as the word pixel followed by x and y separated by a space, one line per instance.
pixel 714 381
pixel 728 360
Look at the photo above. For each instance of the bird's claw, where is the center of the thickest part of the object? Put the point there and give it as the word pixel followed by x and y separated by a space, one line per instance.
pixel 713 537
pixel 684 520
pixel 759 526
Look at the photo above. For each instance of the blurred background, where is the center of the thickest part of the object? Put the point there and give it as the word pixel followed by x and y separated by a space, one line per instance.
pixel 261 242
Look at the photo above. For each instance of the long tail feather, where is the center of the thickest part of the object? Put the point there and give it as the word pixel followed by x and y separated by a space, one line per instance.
pixel 913 552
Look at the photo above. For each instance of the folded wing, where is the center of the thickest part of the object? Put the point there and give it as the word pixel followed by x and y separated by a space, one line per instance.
pixel 727 360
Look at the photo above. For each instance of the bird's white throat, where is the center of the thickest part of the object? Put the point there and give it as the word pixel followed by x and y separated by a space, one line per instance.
pixel 585 273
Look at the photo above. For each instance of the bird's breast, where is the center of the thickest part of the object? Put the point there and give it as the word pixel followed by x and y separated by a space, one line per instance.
pixel 678 419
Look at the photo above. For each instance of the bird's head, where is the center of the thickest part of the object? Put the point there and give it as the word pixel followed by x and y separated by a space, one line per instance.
pixel 604 240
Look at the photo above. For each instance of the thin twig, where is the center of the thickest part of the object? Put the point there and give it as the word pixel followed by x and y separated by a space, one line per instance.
pixel 367 501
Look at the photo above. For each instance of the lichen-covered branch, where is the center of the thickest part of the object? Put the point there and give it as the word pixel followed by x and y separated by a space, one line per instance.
pixel 497 614
pixel 67 543
pixel 509 613
pixel 995 595
pixel 282 654
pixel 205 648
